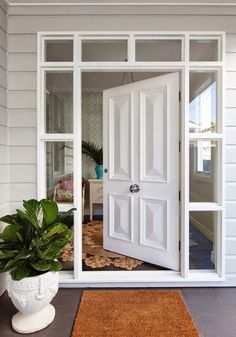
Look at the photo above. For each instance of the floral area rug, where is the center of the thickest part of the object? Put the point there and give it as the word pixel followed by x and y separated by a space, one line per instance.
pixel 94 256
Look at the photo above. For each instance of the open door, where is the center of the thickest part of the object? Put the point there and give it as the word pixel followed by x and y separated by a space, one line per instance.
pixel 141 162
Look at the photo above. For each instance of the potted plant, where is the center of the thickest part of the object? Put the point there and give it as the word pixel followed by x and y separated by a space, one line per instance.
pixel 96 154
pixel 30 247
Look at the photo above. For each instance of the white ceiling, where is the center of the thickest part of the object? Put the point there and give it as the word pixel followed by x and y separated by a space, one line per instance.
pixel 111 2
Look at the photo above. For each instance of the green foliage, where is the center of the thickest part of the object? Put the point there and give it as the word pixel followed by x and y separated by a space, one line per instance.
pixel 93 151
pixel 32 241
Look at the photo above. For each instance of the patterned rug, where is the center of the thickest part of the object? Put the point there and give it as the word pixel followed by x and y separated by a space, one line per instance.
pixel 94 256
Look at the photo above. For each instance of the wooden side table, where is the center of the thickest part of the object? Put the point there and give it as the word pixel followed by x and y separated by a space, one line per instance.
pixel 95 194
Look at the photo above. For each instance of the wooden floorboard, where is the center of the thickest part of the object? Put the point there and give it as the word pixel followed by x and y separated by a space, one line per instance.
pixel 213 310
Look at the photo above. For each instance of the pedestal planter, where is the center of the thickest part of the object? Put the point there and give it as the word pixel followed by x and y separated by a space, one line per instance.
pixel 32 297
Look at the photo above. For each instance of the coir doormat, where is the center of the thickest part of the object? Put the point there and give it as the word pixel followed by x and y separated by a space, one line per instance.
pixel 133 313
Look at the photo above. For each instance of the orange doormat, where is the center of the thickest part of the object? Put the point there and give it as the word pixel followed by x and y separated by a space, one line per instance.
pixel 133 313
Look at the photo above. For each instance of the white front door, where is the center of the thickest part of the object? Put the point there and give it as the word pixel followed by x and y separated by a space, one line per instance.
pixel 141 154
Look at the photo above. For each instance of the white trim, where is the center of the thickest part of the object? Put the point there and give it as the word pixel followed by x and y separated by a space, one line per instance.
pixel 217 4
pixel 204 206
pixel 136 33
pixel 157 277
pixel 124 278
pixel 205 136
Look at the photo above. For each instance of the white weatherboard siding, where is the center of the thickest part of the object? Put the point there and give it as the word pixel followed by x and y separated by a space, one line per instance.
pixel 230 154
pixel 26 21
pixel 4 198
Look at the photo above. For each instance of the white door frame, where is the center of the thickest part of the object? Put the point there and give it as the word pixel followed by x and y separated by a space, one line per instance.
pixel 132 278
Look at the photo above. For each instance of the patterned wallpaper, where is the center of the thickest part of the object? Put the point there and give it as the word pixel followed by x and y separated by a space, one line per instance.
pixel 92 123
pixel 59 113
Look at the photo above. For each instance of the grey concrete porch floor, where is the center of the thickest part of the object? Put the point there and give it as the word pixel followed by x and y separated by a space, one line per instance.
pixel 213 310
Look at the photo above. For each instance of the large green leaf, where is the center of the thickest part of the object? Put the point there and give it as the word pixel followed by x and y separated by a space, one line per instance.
pixel 34 213
pixel 21 272
pixel 10 245
pixel 2 265
pixel 10 233
pixel 7 254
pixel 53 249
pixel 9 219
pixel 65 215
pixel 50 211
pixel 22 255
pixel 55 266
pixel 21 214
pixel 41 265
pixel 56 230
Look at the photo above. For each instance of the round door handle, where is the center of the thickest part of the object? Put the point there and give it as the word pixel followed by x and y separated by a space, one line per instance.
pixel 134 188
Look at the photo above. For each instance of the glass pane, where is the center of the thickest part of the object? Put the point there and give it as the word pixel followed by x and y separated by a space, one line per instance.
pixel 59 51
pixel 59 102
pixel 67 253
pixel 104 50
pixel 202 248
pixel 158 50
pixel 204 50
pixel 203 102
pixel 203 171
pixel 59 169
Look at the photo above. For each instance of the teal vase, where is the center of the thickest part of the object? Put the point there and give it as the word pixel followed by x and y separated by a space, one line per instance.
pixel 99 171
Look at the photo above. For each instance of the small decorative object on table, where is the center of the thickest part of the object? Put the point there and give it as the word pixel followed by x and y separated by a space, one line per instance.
pixel 29 249
pixel 96 154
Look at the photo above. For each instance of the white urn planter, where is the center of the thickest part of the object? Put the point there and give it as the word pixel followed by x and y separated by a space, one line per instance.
pixel 32 297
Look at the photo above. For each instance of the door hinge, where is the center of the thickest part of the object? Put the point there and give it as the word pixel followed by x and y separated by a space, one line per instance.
pixel 179 245
pixel 179 146
pixel 179 195
pixel 179 96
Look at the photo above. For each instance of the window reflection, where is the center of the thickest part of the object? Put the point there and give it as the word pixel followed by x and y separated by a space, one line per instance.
pixel 202 171
pixel 202 236
pixel 202 106
pixel 59 102
pixel 60 171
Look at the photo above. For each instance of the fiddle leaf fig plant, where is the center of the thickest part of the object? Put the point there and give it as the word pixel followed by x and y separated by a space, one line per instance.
pixel 32 241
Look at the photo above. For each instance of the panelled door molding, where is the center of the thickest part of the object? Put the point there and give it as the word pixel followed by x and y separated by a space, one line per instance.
pixel 141 152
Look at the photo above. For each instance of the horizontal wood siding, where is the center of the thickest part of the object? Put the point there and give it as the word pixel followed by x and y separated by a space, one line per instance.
pixel 25 22
pixel 3 112
pixel 4 176
pixel 230 165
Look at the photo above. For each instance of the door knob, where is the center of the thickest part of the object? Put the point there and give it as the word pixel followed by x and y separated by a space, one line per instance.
pixel 134 188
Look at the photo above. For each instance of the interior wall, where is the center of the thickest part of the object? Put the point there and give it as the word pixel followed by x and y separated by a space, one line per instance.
pixel 26 21
pixel 92 127
pixel 201 190
pixel 3 121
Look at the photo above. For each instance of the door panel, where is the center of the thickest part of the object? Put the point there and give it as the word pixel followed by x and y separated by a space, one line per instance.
pixel 120 224
pixel 153 135
pixel 120 137
pixel 141 146
pixel 153 216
